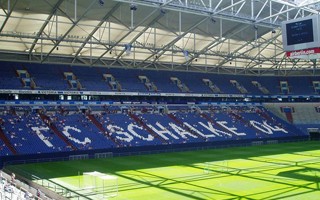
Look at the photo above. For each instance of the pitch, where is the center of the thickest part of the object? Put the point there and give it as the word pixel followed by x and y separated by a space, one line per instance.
pixel 277 171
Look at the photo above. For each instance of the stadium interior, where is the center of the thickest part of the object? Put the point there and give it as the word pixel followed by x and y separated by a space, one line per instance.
pixel 87 77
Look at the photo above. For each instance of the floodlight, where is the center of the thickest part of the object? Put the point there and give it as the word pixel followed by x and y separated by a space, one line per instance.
pixel 133 7
pixel 162 11
pixel 101 2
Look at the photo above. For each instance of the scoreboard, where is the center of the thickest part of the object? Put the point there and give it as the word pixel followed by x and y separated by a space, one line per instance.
pixel 301 33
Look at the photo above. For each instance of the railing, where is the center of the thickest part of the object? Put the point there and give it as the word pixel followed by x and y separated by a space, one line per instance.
pixel 51 189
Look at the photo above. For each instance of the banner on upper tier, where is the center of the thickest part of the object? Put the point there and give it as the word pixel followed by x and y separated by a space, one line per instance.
pixel 100 93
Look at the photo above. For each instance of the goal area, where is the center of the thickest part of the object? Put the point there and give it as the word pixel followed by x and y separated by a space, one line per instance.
pixel 100 184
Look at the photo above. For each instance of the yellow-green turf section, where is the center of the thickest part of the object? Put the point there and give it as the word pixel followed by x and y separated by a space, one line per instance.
pixel 278 171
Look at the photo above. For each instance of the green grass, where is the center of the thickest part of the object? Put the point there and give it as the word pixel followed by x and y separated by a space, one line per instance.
pixel 280 171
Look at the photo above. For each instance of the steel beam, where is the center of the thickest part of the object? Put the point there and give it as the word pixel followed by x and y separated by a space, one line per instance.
pixel 8 14
pixel 109 14
pixel 68 31
pixel 44 25
pixel 128 33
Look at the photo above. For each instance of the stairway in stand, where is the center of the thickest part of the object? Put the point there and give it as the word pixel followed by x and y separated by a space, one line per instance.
pixel 143 124
pixel 53 127
pixel 7 142
pixel 94 120
pixel 175 119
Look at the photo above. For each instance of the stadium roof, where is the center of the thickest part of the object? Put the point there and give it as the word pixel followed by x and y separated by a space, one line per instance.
pixel 218 36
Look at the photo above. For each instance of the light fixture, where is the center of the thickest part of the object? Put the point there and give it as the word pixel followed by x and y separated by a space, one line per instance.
pixel 28 50
pixel 133 7
pixel 101 2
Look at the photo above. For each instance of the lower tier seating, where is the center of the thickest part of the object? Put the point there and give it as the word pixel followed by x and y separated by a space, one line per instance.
pixel 56 131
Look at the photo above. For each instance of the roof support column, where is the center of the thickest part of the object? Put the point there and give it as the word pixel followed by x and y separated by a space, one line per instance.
pixel 131 19
pixel 41 48
pixel 232 6
pixel 109 32
pixel 270 11
pixel 252 9
pixel 75 10
pixel 221 31
pixel 57 27
pixel 90 50
pixel 194 42
pixel 155 37
pixel 134 56
pixel 179 22
pixel 8 6
pixel 172 67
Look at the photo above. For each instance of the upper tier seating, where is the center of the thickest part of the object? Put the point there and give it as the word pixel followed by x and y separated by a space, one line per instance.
pixel 8 77
pixel 51 77
pixel 48 78
pixel 151 87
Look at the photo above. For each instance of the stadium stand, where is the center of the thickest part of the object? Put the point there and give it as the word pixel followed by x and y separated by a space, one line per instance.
pixel 89 80
pixel 121 109
pixel 214 88
pixel 303 115
pixel 94 79
pixel 11 187
pixel 38 132
pixel 61 111
pixel 151 87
